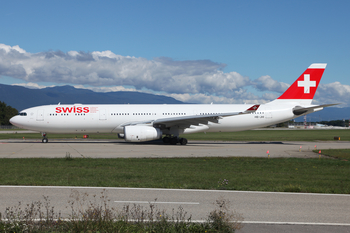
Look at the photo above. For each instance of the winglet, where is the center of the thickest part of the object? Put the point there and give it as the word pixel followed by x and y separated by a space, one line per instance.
pixel 252 108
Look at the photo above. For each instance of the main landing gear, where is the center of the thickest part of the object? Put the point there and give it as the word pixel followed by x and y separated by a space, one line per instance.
pixel 45 139
pixel 174 140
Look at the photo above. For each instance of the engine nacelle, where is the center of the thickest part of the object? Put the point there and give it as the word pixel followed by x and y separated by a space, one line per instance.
pixel 141 133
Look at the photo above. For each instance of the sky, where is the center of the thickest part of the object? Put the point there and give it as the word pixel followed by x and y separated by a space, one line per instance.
pixel 194 51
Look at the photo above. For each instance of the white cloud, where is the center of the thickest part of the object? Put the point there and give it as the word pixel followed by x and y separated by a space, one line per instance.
pixel 207 99
pixel 106 89
pixel 8 48
pixel 333 93
pixel 266 83
pixel 108 69
pixel 197 81
pixel 30 85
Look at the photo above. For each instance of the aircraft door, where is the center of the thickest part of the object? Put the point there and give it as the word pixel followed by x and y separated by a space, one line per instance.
pixel 40 115
pixel 103 115
pixel 268 114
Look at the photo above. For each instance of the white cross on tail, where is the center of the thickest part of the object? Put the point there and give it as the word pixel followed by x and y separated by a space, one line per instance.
pixel 307 83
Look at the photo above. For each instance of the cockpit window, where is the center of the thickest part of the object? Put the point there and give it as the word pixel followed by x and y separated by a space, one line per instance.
pixel 22 114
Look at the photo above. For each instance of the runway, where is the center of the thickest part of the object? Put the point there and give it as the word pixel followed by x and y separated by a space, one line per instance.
pixel 263 209
pixel 121 149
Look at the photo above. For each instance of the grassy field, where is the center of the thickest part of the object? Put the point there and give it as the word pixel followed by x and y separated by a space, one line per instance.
pixel 343 154
pixel 255 174
pixel 250 135
pixel 274 135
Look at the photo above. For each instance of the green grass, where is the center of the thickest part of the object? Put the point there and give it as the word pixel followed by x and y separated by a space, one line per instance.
pixel 11 129
pixel 253 174
pixel 337 153
pixel 250 135
pixel 273 135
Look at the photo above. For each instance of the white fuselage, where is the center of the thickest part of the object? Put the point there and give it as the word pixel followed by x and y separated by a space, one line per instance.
pixel 111 118
pixel 148 122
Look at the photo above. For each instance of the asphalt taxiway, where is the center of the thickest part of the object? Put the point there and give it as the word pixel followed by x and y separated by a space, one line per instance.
pixel 121 149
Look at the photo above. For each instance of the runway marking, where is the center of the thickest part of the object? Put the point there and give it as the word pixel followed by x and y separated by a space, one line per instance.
pixel 180 190
pixel 243 222
pixel 159 202
pixel 297 223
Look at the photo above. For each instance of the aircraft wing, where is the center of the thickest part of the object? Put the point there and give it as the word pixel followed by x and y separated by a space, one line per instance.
pixel 298 110
pixel 184 122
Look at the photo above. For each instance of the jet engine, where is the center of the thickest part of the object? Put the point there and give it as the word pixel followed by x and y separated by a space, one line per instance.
pixel 141 133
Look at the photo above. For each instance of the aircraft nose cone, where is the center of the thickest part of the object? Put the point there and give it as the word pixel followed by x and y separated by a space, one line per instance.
pixel 13 121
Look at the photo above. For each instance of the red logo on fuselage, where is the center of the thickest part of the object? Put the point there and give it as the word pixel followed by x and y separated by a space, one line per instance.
pixel 72 109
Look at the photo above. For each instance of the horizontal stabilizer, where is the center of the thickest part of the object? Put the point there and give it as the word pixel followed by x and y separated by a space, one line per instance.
pixel 298 110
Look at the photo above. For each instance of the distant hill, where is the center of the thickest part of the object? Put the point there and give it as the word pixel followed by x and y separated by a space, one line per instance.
pixel 21 98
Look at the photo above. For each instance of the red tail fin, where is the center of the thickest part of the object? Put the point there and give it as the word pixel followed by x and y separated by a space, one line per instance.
pixel 305 86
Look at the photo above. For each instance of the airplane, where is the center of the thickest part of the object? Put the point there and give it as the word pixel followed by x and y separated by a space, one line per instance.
pixel 147 122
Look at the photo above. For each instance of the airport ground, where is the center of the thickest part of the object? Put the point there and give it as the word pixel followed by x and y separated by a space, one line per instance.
pixel 262 211
pixel 33 148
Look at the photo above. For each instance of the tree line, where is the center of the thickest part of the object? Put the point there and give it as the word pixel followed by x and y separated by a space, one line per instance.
pixel 6 112
pixel 344 123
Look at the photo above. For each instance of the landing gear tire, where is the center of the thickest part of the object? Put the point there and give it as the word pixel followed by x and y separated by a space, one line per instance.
pixel 173 141
pixel 183 141
pixel 45 140
pixel 166 140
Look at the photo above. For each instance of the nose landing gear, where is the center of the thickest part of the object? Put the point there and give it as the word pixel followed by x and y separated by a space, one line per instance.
pixel 45 139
